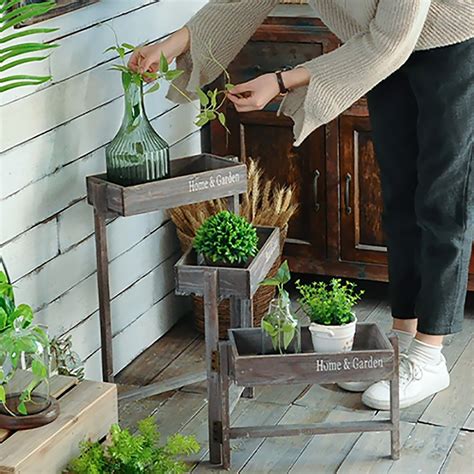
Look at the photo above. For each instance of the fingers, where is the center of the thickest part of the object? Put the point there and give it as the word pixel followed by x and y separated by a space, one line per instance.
pixel 241 88
pixel 246 104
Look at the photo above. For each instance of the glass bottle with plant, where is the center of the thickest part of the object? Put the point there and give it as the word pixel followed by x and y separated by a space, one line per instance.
pixel 226 239
pixel 137 453
pixel 138 154
pixel 24 357
pixel 330 309
pixel 280 324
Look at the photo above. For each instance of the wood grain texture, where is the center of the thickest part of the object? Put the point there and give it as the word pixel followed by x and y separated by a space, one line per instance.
pixel 460 459
pixel 87 410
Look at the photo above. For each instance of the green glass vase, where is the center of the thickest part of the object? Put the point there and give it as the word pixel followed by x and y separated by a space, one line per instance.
pixel 137 154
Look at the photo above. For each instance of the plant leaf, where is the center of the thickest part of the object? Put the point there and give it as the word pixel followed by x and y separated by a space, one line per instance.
pixel 22 408
pixel 164 66
pixel 155 87
pixel 203 98
pixel 3 395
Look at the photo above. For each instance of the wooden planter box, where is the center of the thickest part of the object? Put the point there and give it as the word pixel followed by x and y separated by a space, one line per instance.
pixel 238 282
pixel 88 409
pixel 372 358
pixel 193 179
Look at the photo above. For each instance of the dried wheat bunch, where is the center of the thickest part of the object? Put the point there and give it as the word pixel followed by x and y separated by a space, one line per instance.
pixel 265 203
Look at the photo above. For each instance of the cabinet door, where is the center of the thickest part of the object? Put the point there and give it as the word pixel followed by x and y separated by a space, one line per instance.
pixel 268 138
pixel 362 237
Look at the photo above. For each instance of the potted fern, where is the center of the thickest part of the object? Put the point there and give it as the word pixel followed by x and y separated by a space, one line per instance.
pixel 330 309
pixel 226 239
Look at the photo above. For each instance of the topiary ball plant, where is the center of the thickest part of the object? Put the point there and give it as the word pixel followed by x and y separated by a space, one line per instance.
pixel 226 238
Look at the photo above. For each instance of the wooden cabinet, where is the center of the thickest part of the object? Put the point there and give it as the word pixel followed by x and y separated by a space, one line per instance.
pixel 338 229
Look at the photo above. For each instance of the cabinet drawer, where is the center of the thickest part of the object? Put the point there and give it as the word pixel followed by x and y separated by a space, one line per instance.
pixel 260 57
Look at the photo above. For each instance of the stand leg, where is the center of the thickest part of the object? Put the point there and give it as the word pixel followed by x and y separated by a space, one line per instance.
pixel 246 321
pixel 225 409
pixel 104 295
pixel 395 402
pixel 212 360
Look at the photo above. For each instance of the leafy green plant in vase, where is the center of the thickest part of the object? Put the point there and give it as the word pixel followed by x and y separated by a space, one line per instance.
pixel 138 453
pixel 226 239
pixel 138 154
pixel 280 324
pixel 24 362
pixel 330 310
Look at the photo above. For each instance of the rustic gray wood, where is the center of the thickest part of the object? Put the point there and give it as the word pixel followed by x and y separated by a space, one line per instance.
pixel 460 458
pixel 224 425
pixel 395 402
pixel 238 282
pixel 161 387
pixel 193 179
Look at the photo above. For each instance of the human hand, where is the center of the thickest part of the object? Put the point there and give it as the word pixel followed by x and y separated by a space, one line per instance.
pixel 255 94
pixel 147 58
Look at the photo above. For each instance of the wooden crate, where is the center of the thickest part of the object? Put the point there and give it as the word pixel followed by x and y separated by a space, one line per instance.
pixel 239 282
pixel 193 179
pixel 371 359
pixel 88 409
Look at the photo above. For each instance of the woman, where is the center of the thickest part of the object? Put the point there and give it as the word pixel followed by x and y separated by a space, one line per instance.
pixel 415 59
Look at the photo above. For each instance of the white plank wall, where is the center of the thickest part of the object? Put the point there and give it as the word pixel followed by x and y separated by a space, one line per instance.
pixel 51 138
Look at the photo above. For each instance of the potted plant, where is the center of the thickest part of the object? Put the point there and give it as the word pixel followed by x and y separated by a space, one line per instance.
pixel 138 154
pixel 226 239
pixel 141 452
pixel 329 307
pixel 279 324
pixel 24 362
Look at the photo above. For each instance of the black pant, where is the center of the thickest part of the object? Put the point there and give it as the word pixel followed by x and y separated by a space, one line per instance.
pixel 423 121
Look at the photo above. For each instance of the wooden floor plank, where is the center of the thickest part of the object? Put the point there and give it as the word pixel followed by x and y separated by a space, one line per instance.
pixel 425 450
pixel 247 412
pixel 461 457
pixel 469 423
pixel 452 407
pixel 371 453
pixel 279 454
pixel 325 453
pixel 148 366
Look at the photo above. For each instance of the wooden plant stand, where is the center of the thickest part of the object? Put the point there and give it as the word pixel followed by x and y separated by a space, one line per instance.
pixel 193 179
pixel 239 285
pixel 87 410
pixel 374 357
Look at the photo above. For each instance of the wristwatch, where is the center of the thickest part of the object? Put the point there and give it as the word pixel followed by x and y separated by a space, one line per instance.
pixel 281 83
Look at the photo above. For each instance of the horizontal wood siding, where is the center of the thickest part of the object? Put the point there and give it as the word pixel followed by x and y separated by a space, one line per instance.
pixel 52 137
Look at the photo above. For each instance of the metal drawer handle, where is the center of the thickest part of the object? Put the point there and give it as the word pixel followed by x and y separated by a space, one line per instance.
pixel 316 176
pixel 348 193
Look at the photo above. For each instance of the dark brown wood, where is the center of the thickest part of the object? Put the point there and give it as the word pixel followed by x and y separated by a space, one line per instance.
pixel 322 238
pixel 27 422
pixel 193 179
pixel 61 7
pixel 238 282
pixel 211 292
pixel 310 429
pixel 224 425
pixel 103 286
pixel 395 401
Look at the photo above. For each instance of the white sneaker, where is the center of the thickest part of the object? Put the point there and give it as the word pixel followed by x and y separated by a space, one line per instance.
pixel 355 386
pixel 417 382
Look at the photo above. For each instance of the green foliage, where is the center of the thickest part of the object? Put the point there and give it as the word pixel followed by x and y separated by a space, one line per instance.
pixel 14 53
pixel 331 304
pixel 19 336
pixel 226 238
pixel 210 102
pixel 279 323
pixel 134 454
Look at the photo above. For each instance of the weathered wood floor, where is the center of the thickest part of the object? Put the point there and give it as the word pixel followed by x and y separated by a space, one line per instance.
pixel 437 434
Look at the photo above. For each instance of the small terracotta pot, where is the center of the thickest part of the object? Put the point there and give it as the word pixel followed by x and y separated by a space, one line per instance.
pixel 333 338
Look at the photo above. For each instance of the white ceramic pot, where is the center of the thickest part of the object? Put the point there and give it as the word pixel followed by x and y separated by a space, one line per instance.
pixel 333 338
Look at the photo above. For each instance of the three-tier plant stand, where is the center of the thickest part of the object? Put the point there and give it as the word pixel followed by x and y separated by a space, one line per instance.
pixel 239 285
pixel 193 179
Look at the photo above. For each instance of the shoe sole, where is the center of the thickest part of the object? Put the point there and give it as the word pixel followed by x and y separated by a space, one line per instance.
pixel 378 405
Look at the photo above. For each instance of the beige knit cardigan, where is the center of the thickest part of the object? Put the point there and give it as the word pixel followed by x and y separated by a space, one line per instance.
pixel 378 36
